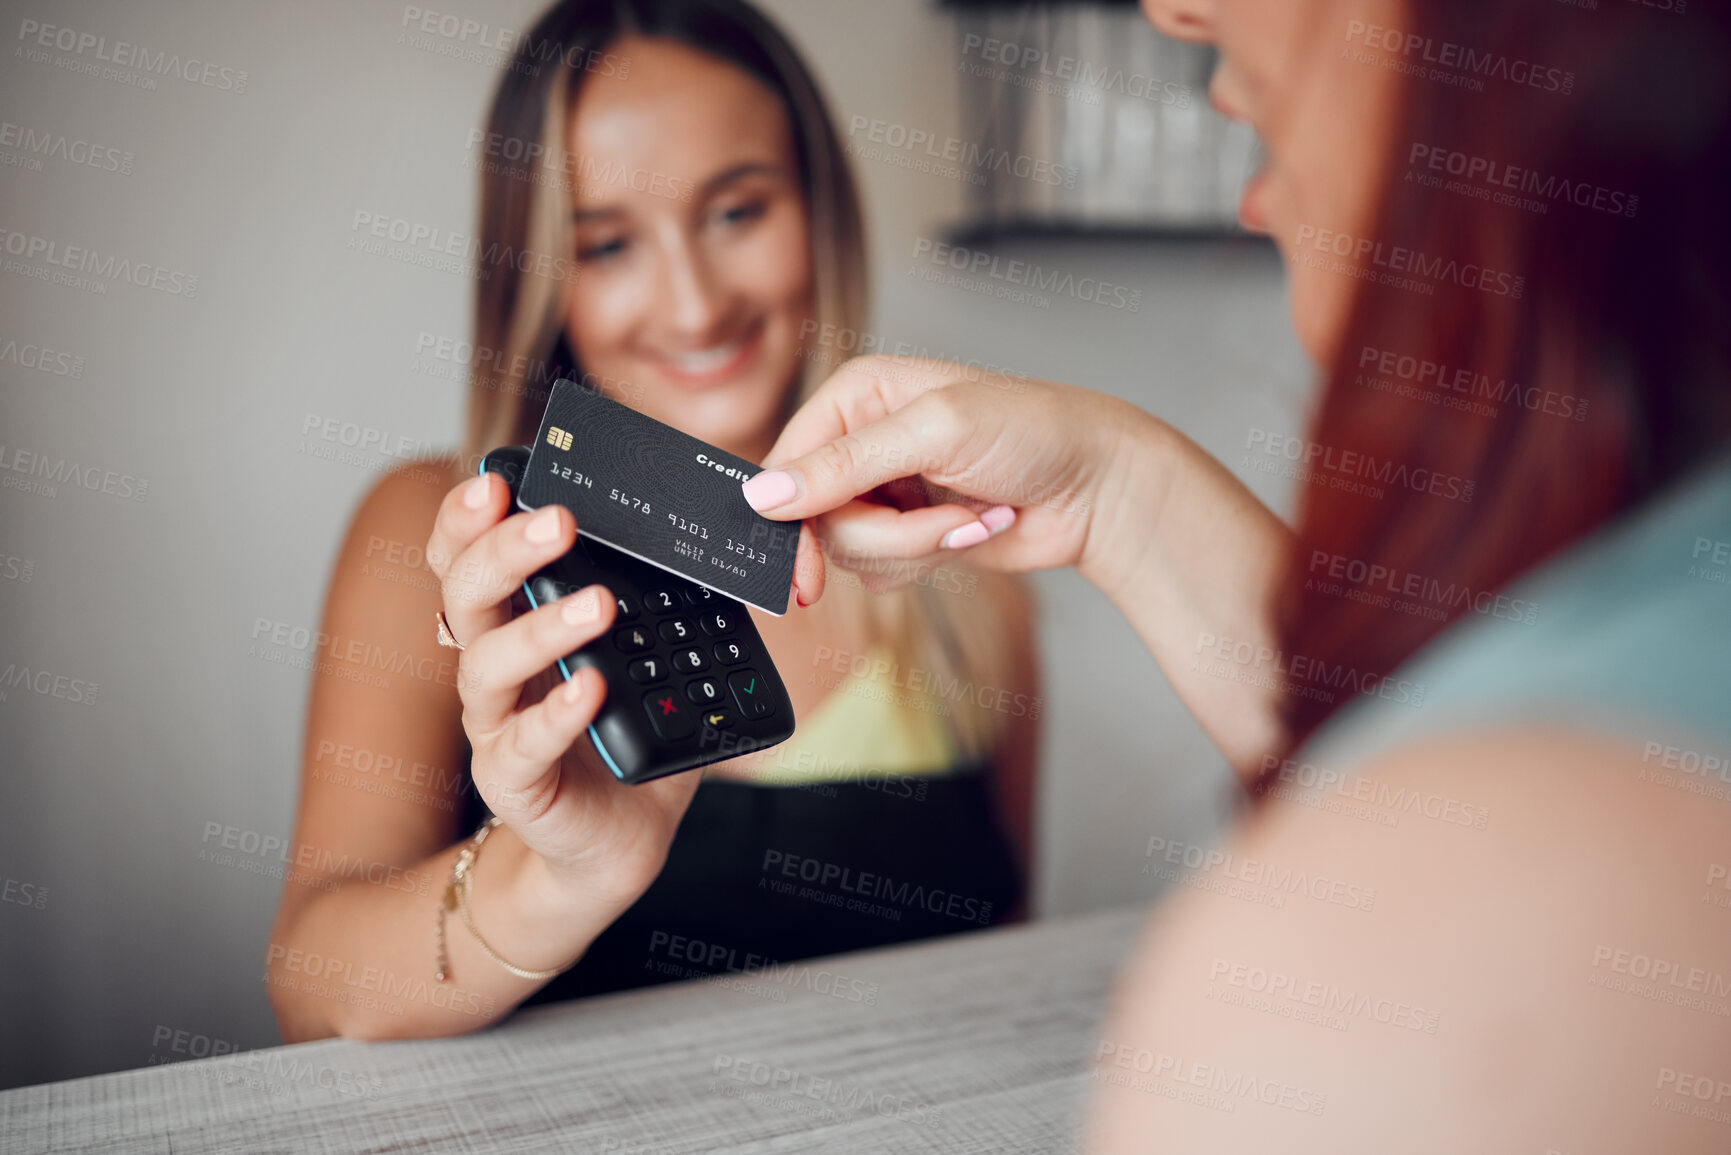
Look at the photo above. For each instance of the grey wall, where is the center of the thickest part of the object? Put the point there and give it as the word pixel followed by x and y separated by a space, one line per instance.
pixel 191 410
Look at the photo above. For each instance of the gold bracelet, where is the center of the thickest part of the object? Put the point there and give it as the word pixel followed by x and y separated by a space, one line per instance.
pixel 457 899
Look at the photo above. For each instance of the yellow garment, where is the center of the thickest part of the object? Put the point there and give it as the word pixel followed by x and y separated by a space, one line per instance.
pixel 864 726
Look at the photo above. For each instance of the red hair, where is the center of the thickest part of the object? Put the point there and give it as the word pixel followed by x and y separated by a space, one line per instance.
pixel 1620 145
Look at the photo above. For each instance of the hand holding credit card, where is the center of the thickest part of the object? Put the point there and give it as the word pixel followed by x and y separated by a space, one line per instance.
pixel 660 495
pixel 663 525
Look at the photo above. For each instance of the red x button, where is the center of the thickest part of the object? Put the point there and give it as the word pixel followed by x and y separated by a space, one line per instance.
pixel 667 715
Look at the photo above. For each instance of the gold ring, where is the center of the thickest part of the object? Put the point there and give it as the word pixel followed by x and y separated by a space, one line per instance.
pixel 446 637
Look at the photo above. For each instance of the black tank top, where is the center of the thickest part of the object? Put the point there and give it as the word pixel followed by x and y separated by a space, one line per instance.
pixel 760 875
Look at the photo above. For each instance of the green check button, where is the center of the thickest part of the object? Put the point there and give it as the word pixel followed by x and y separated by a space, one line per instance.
pixel 753 700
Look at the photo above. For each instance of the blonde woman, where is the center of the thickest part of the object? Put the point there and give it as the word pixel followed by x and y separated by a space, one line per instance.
pixel 684 225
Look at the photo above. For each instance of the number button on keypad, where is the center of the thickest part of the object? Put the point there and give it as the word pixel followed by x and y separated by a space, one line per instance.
pixel 661 601
pixel 718 622
pixel 632 639
pixel 689 661
pixel 677 630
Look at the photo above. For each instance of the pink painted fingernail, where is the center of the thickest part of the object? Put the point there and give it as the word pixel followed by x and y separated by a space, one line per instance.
pixel 962 537
pixel 544 526
pixel 999 518
pixel 769 489
pixel 475 493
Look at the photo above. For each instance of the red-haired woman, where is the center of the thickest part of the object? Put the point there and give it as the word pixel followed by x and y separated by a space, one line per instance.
pixel 1481 692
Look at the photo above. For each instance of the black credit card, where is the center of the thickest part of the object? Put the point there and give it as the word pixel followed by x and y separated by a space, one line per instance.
pixel 659 495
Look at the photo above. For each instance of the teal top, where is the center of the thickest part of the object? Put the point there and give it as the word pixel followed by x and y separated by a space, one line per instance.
pixel 1631 638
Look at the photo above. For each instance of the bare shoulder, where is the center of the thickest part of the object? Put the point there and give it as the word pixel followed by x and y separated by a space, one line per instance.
pixel 388 533
pixel 408 497
pixel 1511 940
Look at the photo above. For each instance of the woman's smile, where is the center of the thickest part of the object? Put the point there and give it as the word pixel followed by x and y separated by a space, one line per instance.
pixel 713 365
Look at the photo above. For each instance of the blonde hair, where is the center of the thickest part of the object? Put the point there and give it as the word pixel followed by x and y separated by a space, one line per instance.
pixel 956 642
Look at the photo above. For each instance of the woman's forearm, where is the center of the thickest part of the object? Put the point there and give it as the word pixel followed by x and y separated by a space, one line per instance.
pixel 1190 556
pixel 359 960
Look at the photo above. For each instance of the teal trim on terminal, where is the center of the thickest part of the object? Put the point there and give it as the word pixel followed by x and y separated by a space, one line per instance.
pixel 600 747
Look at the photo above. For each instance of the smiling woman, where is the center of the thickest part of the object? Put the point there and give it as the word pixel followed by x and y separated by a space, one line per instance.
pixel 699 255
pixel 666 216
